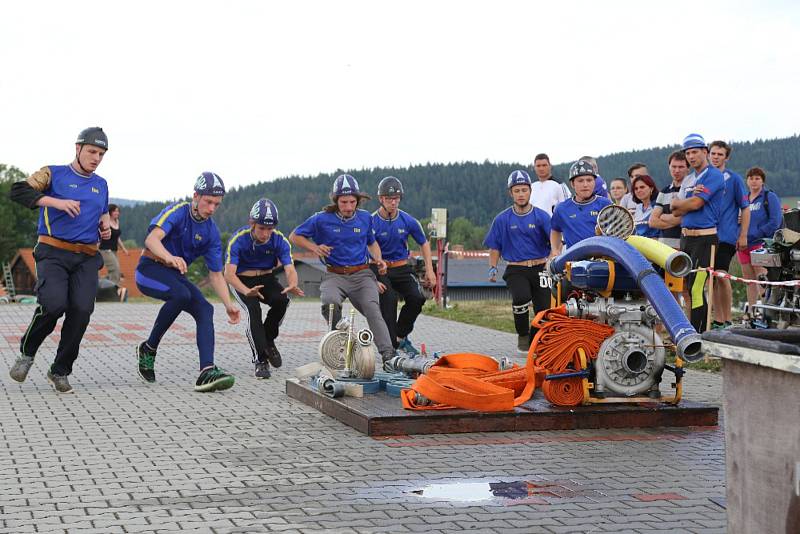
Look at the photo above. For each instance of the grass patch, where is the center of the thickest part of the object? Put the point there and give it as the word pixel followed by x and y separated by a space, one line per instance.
pixel 494 314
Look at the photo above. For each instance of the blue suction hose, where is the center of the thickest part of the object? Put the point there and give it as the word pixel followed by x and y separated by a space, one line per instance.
pixel 683 334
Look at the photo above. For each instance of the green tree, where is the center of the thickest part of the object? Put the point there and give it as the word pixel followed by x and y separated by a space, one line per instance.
pixel 17 223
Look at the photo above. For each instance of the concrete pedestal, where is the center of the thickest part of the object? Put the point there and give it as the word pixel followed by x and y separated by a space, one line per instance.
pixel 762 438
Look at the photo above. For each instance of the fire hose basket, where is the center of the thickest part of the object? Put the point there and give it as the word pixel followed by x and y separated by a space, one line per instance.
pixel 615 221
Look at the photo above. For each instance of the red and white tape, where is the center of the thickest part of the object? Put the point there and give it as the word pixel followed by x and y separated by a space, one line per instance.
pixel 723 274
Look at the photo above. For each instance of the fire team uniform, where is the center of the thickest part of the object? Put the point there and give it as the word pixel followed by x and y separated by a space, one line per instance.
pixel 247 254
pixel 524 243
pixel 187 238
pixel 735 197
pixel 66 261
pixel 392 236
pixel 348 273
pixel 700 233
pixel 577 220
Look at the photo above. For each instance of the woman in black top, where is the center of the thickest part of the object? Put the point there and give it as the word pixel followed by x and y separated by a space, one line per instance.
pixel 108 247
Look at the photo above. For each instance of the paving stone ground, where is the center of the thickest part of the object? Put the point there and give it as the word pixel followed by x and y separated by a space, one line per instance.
pixel 123 456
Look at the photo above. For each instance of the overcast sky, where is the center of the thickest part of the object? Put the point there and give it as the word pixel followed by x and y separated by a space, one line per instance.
pixel 260 90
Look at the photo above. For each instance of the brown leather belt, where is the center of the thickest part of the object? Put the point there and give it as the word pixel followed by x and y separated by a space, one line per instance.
pixel 347 269
pixel 528 263
pixel 255 272
pixel 147 254
pixel 398 263
pixel 694 232
pixel 77 248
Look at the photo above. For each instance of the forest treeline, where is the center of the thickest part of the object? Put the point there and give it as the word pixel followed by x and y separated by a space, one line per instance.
pixel 472 192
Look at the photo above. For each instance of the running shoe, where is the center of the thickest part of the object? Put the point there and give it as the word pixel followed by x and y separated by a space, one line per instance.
pixel 406 346
pixel 274 356
pixel 59 382
pixel 262 370
pixel 19 371
pixel 147 362
pixel 213 379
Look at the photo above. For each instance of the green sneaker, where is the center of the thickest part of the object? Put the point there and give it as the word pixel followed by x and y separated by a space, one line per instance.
pixel 147 362
pixel 213 379
pixel 19 371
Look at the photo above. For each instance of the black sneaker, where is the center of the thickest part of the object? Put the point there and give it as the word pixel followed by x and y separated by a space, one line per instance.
pixel 147 362
pixel 274 356
pixel 213 379
pixel 59 382
pixel 262 370
pixel 523 344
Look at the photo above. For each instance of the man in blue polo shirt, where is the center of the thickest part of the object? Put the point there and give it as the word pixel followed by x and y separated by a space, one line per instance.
pixel 177 236
pixel 700 211
pixel 520 235
pixel 732 233
pixel 73 217
pixel 251 257
pixel 342 236
pixel 575 219
pixel 392 228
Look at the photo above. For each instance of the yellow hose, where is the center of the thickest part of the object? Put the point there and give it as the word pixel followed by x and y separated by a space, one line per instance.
pixel 675 262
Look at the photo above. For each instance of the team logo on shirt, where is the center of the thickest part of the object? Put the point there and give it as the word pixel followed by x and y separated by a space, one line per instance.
pixel 198 237
pixel 357 230
pixel 530 225
pixel 74 186
pixel 594 213
pixel 95 190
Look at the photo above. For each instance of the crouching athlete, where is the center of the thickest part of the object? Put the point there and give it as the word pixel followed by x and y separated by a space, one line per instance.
pixel 181 233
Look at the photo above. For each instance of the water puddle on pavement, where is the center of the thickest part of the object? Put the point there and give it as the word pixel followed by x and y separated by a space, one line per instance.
pixel 487 491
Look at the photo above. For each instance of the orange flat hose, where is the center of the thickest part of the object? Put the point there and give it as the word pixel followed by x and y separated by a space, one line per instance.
pixel 475 382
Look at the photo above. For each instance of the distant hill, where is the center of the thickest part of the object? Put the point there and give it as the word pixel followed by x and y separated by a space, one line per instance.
pixel 472 190
pixel 125 202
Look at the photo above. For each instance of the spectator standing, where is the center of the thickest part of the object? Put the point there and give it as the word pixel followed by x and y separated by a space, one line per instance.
pixel 766 217
pixel 662 218
pixel 644 196
pixel 732 230
pixel 546 192
pixel 700 212
pixel 108 247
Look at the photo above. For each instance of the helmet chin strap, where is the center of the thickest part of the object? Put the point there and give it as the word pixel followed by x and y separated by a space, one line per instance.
pixel 196 213
pixel 78 159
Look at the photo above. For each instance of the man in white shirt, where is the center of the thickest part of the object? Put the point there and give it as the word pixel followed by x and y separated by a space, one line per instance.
pixel 546 192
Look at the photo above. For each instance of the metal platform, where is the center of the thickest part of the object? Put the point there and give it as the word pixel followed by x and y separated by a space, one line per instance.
pixel 381 415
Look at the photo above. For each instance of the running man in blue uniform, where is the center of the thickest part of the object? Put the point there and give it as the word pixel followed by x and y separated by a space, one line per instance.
pixel 392 227
pixel 251 257
pixel 180 234
pixel 575 219
pixel 343 237
pixel 520 235
pixel 73 217
pixel 700 212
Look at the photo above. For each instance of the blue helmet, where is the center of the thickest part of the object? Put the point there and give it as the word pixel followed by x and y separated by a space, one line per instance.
pixel 693 140
pixel 345 185
pixel 581 168
pixel 210 184
pixel 518 178
pixel 264 212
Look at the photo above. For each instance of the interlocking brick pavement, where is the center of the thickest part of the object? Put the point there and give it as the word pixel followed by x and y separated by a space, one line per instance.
pixel 123 456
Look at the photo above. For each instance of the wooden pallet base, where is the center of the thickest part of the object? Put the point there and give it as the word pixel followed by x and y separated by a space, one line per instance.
pixel 381 415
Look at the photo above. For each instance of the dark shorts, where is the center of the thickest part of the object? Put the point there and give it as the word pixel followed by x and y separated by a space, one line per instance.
pixel 724 255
